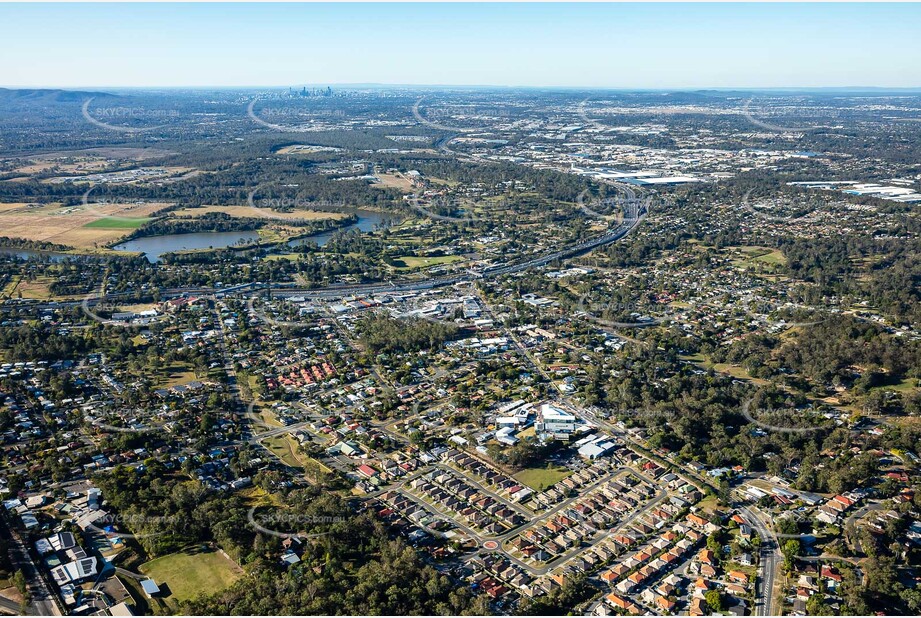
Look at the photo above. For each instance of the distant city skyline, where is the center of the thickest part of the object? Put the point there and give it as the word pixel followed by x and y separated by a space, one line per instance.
pixel 616 46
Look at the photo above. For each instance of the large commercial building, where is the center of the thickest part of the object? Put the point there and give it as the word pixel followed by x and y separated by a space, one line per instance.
pixel 556 421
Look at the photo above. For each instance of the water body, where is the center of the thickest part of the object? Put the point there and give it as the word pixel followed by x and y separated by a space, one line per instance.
pixel 368 221
pixel 30 254
pixel 153 247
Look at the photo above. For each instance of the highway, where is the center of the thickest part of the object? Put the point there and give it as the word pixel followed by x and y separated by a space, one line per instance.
pixel 631 220
pixel 44 600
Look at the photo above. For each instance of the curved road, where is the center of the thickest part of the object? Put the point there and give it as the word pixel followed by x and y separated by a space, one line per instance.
pixel 631 220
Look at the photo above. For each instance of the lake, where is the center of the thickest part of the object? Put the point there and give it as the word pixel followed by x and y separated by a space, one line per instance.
pixel 153 247
pixel 368 220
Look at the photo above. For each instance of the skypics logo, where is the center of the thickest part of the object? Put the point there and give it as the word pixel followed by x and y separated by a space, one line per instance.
pixel 251 415
pixel 306 317
pixel 449 209
pixel 100 424
pixel 262 117
pixel 770 419
pixel 126 321
pixel 774 127
pixel 626 203
pixel 751 113
pixel 286 524
pixel 282 128
pixel 108 525
pixel 261 313
pixel 278 207
pixel 580 111
pixel 421 119
pixel 428 307
pixel 821 315
pixel 747 206
pixel 103 117
pixel 105 207
pixel 595 309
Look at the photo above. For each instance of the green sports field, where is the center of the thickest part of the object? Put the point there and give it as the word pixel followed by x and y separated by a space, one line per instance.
pixel 118 223
pixel 189 574
pixel 542 478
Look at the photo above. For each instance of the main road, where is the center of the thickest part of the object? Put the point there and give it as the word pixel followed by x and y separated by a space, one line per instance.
pixel 770 560
pixel 630 221
pixel 44 602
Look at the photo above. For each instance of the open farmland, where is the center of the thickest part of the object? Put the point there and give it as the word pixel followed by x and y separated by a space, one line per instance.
pixel 79 227
pixel 258 213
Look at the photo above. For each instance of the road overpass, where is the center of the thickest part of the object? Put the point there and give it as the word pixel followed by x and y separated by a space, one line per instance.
pixel 631 220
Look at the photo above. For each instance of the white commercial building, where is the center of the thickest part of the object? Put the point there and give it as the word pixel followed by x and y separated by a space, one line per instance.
pixel 556 421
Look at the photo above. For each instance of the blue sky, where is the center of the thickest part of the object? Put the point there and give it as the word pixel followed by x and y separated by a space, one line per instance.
pixel 581 45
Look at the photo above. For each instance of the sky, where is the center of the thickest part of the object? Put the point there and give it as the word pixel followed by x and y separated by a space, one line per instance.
pixel 652 45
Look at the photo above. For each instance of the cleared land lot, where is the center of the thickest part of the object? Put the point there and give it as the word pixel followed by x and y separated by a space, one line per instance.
pixel 395 181
pixel 412 262
pixel 735 371
pixel 37 289
pixel 542 478
pixel 192 573
pixel 761 255
pixel 258 213
pixel 79 226
pixel 286 449
pixel 38 166
pixel 174 375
